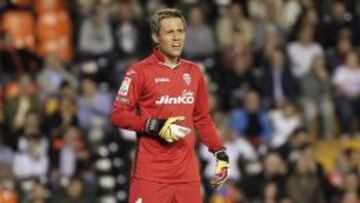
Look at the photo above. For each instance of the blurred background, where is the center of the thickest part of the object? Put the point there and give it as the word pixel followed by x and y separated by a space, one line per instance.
pixel 284 88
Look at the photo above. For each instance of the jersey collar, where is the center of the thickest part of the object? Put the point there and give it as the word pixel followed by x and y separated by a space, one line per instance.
pixel 160 58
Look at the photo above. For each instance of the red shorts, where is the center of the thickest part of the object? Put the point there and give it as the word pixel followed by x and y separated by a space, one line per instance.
pixel 143 191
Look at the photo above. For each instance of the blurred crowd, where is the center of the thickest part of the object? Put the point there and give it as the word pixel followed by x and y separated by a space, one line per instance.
pixel 282 76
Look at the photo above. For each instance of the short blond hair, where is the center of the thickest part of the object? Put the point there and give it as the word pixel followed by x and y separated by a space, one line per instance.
pixel 164 14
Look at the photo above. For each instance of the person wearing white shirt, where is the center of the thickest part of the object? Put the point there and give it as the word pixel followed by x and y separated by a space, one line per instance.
pixel 32 163
pixel 347 83
pixel 284 120
pixel 95 35
pixel 303 52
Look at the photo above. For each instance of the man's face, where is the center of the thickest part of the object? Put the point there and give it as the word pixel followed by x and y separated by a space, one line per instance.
pixel 88 87
pixel 277 60
pixel 306 36
pixel 252 102
pixel 170 37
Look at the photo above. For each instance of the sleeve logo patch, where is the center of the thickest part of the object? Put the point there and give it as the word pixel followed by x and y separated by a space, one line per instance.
pixel 125 85
pixel 122 99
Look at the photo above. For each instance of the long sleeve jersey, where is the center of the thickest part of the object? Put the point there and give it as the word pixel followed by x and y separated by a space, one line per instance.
pixel 151 89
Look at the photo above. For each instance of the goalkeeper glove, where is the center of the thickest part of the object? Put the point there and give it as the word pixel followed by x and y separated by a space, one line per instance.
pixel 167 129
pixel 221 169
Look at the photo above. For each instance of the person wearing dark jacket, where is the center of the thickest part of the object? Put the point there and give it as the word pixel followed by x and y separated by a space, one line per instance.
pixel 278 83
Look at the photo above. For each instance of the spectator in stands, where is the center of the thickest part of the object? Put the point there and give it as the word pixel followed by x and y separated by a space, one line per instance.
pixel 308 150
pixel 346 80
pixel 39 193
pixel 284 121
pixel 64 116
pixel 274 172
pixel 239 80
pixel 316 97
pixel 265 15
pixel 73 193
pixel 278 83
pixel 67 90
pixel 291 149
pixel 68 155
pixel 340 18
pixel 200 42
pixel 31 163
pixel 292 10
pixel 262 56
pixel 52 75
pixel 15 61
pixel 94 105
pixel 251 121
pixel 239 49
pixel 125 32
pixel 96 37
pixel 304 186
pixel 233 21
pixel 338 56
pixel 32 128
pixel 309 17
pixel 346 162
pixel 271 193
pixel 16 108
pixel 303 51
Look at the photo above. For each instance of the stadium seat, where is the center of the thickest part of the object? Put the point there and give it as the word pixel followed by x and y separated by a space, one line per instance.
pixel 44 6
pixel 12 89
pixel 8 196
pixel 54 33
pixel 20 26
pixel 22 2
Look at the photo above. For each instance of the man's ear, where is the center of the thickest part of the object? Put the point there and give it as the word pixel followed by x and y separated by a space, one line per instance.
pixel 155 38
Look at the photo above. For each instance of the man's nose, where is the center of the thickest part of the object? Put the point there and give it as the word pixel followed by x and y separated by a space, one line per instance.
pixel 176 37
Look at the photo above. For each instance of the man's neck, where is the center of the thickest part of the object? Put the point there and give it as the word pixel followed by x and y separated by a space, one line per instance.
pixel 305 43
pixel 171 62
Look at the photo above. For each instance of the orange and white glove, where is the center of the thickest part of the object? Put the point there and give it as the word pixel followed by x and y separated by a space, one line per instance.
pixel 221 169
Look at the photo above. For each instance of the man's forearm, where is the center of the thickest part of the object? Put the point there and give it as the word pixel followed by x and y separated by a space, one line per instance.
pixel 128 120
pixel 207 132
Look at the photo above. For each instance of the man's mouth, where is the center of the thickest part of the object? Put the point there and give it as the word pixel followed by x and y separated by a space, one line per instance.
pixel 176 45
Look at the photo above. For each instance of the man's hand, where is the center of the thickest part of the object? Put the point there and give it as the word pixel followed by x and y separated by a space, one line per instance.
pixel 167 129
pixel 221 169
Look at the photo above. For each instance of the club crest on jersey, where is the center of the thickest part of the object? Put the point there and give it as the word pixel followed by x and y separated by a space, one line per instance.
pixel 187 78
pixel 187 97
pixel 125 85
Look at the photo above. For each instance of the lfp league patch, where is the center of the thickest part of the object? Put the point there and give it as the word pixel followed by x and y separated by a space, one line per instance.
pixel 125 85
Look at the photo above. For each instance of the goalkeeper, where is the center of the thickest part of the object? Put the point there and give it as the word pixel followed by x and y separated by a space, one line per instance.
pixel 164 99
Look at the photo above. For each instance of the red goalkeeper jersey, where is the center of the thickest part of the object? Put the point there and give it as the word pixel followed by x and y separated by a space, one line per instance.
pixel 151 89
